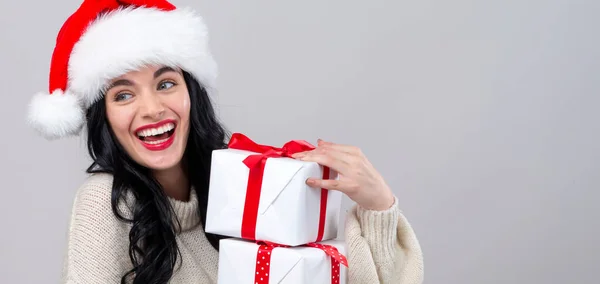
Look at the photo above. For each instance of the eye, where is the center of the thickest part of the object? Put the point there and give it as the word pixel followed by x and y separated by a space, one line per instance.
pixel 165 85
pixel 122 96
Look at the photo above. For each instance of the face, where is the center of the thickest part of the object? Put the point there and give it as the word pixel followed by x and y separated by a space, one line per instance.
pixel 148 111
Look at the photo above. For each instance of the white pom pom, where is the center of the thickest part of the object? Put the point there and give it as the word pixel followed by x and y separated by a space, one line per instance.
pixel 57 115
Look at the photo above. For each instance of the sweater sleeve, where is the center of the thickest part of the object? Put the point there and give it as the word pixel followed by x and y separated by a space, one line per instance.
pixel 382 247
pixel 96 251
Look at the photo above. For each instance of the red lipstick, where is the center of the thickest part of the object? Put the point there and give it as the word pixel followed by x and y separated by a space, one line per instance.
pixel 155 125
pixel 154 143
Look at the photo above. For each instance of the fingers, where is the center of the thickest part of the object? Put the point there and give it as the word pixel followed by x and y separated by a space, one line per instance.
pixel 346 153
pixel 353 150
pixel 341 158
pixel 330 184
pixel 333 159
pixel 324 183
pixel 347 187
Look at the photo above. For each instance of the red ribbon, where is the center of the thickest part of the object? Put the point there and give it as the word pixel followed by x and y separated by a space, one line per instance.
pixel 263 260
pixel 256 164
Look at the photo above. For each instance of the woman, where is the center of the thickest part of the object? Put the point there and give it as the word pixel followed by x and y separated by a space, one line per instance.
pixel 139 74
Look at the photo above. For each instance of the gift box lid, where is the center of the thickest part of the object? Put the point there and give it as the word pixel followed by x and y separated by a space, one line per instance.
pixel 274 184
pixel 278 173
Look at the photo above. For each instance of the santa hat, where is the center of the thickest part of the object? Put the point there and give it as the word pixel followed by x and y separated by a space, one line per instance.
pixel 105 39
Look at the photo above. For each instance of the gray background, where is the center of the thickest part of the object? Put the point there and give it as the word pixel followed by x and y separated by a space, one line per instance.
pixel 482 115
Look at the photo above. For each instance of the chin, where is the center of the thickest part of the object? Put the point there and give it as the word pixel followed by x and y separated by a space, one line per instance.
pixel 163 160
pixel 161 166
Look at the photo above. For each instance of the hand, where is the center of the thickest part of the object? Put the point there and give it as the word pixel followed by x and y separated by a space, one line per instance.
pixel 358 179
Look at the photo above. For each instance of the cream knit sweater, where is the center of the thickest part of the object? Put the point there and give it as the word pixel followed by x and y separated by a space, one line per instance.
pixel 382 247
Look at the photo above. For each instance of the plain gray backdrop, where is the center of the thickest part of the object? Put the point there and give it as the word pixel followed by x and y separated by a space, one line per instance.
pixel 482 116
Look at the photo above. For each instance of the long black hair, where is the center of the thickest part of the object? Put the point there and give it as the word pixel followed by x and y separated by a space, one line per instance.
pixel 153 249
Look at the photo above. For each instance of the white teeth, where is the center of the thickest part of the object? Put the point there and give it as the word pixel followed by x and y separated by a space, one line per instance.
pixel 156 131
pixel 156 142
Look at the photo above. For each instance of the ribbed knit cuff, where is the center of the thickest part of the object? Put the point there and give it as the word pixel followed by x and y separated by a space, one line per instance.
pixel 380 229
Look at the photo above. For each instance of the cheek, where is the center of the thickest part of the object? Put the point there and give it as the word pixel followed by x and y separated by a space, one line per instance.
pixel 186 104
pixel 181 106
pixel 120 119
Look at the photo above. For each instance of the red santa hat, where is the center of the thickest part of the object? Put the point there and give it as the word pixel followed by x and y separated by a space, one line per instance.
pixel 105 39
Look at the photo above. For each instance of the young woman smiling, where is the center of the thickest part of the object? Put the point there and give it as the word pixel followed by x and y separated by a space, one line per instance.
pixel 138 74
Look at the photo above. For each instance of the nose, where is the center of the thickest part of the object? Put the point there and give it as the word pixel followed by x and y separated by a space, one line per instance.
pixel 151 106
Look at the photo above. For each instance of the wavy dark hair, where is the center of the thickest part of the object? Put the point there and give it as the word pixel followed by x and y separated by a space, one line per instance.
pixel 153 249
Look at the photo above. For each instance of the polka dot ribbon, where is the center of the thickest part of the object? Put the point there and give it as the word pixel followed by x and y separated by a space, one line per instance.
pixel 263 261
pixel 336 259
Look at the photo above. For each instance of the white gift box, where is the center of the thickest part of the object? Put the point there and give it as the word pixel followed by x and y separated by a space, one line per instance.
pixel 294 265
pixel 288 210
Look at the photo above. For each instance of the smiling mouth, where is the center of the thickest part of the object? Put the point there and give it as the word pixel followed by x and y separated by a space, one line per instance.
pixel 157 135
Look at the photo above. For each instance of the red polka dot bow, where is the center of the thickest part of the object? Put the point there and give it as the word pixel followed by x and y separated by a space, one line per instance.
pixel 263 260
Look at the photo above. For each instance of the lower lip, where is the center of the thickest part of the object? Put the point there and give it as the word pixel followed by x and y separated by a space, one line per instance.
pixel 159 146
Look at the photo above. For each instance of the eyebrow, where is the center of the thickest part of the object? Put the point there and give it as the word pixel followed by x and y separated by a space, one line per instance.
pixel 163 70
pixel 122 82
pixel 125 82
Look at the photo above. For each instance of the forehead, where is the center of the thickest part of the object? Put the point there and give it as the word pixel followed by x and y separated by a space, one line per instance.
pixel 147 72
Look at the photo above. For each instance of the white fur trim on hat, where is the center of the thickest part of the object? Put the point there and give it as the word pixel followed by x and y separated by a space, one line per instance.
pixel 92 52
pixel 129 38
pixel 56 115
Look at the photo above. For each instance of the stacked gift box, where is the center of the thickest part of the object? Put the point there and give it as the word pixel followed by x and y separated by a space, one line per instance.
pixel 281 230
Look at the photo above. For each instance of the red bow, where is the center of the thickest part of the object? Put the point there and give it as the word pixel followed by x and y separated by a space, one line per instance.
pixel 263 260
pixel 256 164
pixel 242 142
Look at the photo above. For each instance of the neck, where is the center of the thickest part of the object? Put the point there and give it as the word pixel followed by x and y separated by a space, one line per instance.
pixel 174 182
